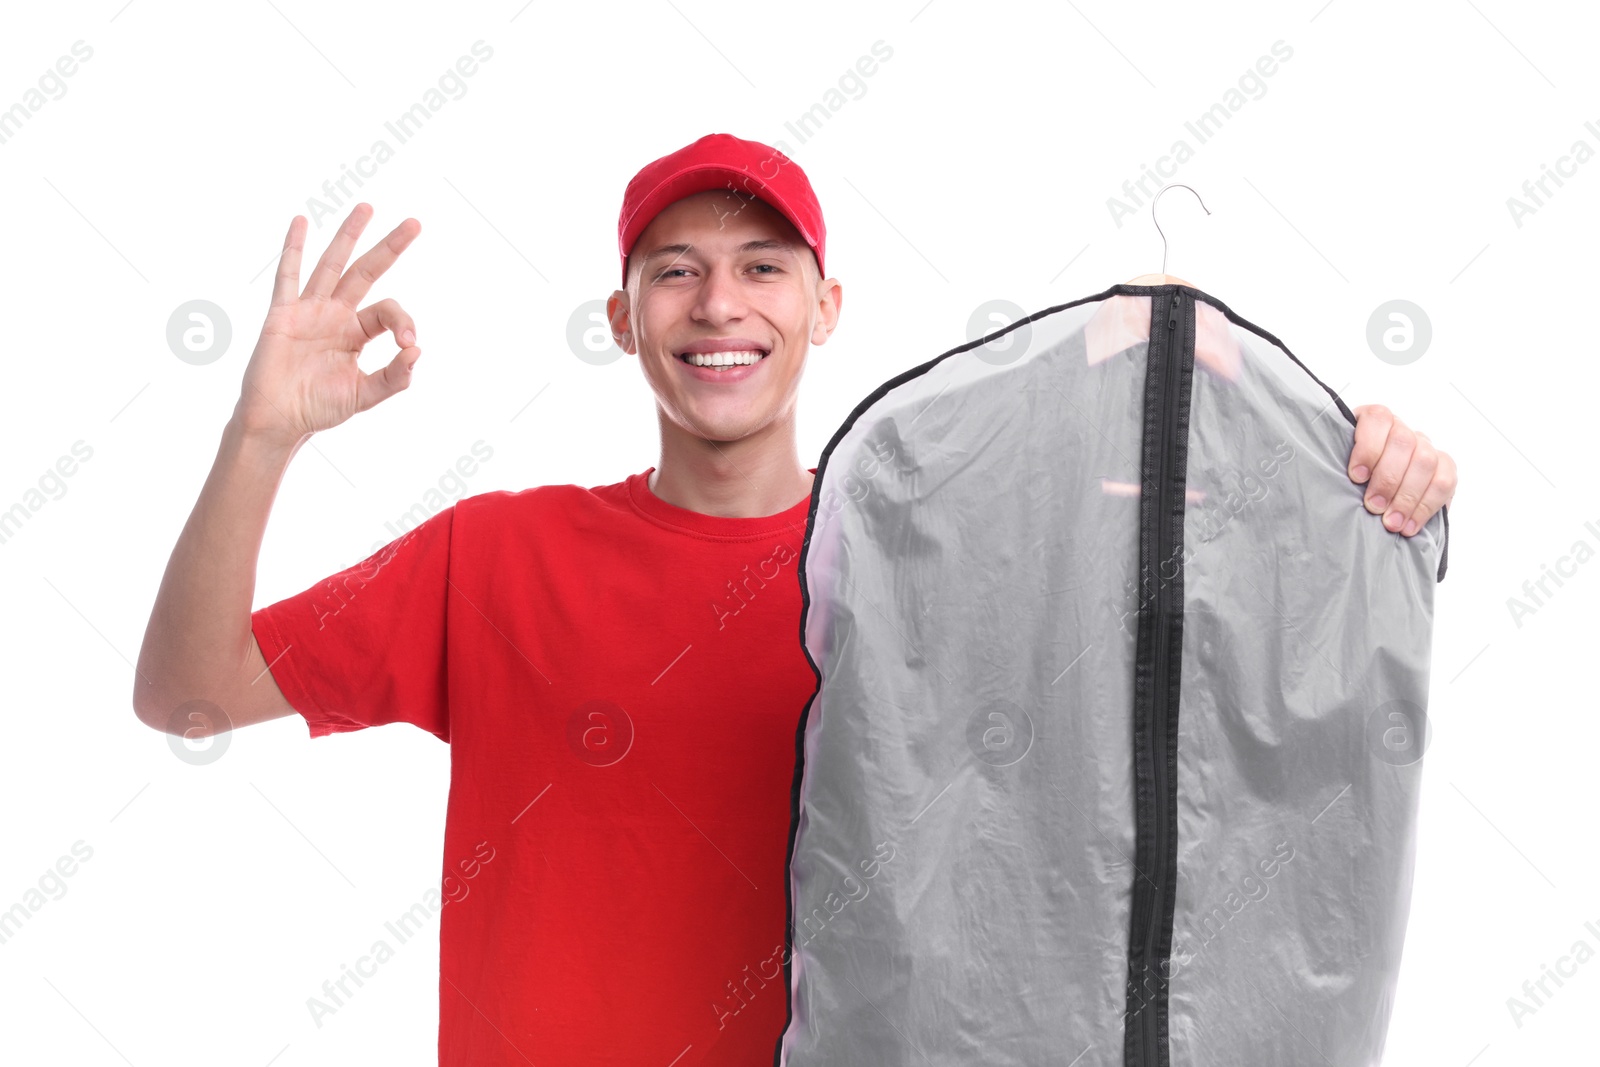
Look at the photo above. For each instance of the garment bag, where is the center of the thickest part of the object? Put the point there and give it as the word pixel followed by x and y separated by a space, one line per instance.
pixel 1114 753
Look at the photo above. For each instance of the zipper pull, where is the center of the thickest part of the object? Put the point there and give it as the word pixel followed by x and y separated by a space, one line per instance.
pixel 1172 319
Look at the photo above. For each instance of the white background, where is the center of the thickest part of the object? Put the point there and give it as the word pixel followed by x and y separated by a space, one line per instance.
pixel 974 164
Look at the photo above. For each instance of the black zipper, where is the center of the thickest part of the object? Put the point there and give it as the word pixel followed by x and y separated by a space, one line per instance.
pixel 1158 665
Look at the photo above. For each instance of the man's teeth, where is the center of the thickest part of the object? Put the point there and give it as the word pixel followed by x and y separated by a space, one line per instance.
pixel 721 359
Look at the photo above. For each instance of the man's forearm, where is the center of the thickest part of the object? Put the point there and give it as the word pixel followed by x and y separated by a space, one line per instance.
pixel 198 641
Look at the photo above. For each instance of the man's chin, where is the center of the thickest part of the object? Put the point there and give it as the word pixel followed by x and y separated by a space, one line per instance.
pixel 722 435
pixel 720 418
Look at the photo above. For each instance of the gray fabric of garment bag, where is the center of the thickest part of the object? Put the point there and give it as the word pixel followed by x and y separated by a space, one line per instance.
pixel 1121 698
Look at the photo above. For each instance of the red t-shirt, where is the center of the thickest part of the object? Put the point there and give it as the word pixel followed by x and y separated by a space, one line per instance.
pixel 620 681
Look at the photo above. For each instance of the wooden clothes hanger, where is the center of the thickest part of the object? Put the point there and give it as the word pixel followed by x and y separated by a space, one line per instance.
pixel 1121 321
pixel 1164 278
pixel 1124 320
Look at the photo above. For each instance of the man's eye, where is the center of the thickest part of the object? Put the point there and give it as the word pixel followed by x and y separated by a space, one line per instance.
pixel 671 270
pixel 770 266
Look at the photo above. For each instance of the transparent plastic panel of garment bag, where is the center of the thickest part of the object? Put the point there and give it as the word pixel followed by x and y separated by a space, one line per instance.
pixel 1307 633
pixel 962 862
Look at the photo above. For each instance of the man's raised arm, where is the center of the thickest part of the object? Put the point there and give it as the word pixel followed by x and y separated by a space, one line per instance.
pixel 301 378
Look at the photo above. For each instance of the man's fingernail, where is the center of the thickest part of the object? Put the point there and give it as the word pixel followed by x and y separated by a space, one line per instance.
pixel 1375 504
pixel 1393 520
pixel 1411 527
pixel 1360 474
pixel 408 338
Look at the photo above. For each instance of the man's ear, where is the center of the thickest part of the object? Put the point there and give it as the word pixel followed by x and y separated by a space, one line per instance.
pixel 830 298
pixel 621 319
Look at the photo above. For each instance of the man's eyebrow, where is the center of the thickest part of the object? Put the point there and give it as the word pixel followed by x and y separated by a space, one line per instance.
pixel 766 244
pixel 666 250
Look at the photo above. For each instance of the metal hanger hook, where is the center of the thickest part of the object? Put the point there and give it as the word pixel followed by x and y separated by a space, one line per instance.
pixel 1153 218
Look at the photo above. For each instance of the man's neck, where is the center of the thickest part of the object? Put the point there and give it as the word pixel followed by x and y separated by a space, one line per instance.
pixel 757 476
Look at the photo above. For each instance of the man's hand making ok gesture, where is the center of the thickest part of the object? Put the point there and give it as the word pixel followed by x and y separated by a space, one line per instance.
pixel 302 376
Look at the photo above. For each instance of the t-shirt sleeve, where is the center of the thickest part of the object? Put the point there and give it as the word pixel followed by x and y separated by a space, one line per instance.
pixel 366 646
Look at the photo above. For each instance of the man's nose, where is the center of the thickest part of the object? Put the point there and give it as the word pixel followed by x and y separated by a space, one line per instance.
pixel 720 296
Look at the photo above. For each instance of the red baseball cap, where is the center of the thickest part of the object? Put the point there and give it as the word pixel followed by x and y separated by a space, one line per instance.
pixel 721 161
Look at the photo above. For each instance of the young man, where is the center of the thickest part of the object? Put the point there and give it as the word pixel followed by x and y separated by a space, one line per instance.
pixel 617 669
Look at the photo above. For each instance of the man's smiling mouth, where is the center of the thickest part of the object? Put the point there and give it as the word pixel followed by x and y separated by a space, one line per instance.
pixel 718 360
